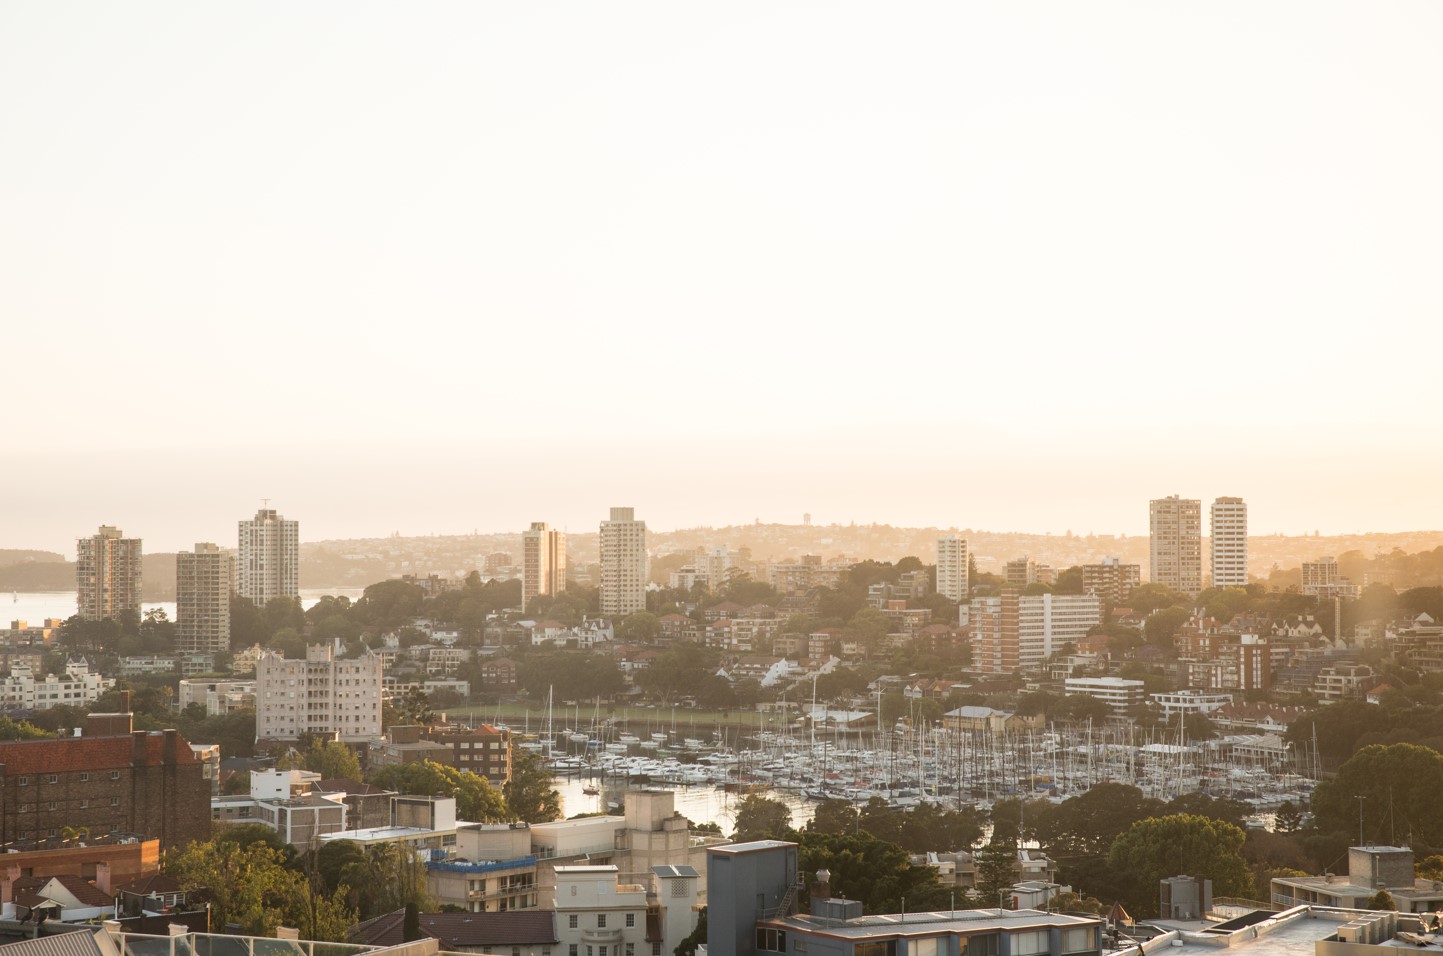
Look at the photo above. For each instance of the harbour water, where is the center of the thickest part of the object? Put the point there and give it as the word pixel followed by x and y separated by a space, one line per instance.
pixel 700 804
pixel 35 606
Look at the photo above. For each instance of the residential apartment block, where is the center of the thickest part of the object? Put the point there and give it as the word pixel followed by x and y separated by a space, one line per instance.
pixel 623 564
pixel 204 580
pixel 109 780
pixel 107 574
pixel 1229 543
pixel 543 562
pixel 320 695
pixel 77 687
pixel 269 559
pixel 952 567
pixel 1116 692
pixel 1111 580
pixel 1321 579
pixel 1175 547
pixel 1013 631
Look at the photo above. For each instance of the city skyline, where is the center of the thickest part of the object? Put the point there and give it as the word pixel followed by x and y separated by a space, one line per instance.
pixel 870 276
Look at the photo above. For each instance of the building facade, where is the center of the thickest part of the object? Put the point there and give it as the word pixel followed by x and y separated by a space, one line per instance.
pixel 1013 631
pixel 952 567
pixel 543 562
pixel 149 784
pixel 107 574
pixel 1229 543
pixel 623 564
pixel 1111 580
pixel 204 579
pixel 1175 545
pixel 77 687
pixel 1118 693
pixel 320 695
pixel 269 560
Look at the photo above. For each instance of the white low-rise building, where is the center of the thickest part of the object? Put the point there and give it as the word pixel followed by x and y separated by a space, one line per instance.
pixel 77 687
pixel 1117 692
pixel 1190 702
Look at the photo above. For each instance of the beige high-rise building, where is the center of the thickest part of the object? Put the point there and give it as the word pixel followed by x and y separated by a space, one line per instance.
pixel 319 695
pixel 952 567
pixel 623 564
pixel 543 562
pixel 107 574
pixel 204 579
pixel 1229 543
pixel 269 561
pixel 1111 580
pixel 1175 526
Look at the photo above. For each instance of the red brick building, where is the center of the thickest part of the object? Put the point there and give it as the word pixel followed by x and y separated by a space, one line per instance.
pixel 146 783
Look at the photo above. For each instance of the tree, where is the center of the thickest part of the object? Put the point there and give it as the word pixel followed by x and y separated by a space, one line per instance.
pixel 1429 868
pixel 996 870
pixel 1399 784
pixel 875 872
pixel 412 707
pixel 1381 900
pixel 1161 626
pixel 529 794
pixel 476 800
pixel 642 627
pixel 1289 819
pixel 333 760
pixel 688 946
pixel 1158 847
pixel 249 887
pixel 11 729
pixel 762 818
pixel 834 816
pixel 389 876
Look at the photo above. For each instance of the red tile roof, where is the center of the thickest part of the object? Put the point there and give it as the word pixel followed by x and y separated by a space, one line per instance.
pixel 68 754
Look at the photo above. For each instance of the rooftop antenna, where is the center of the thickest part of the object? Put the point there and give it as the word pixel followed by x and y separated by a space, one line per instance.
pixel 1360 798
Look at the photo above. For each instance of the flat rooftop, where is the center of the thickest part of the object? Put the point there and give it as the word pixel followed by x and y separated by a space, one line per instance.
pixel 1292 933
pixel 944 921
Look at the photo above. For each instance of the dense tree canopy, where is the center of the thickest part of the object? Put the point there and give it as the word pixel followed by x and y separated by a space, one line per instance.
pixel 1181 844
pixel 1400 786
pixel 476 800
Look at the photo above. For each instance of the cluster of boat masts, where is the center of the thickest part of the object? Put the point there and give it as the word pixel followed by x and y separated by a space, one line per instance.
pixel 949 768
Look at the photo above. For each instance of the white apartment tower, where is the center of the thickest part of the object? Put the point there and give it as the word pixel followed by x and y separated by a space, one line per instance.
pixel 107 574
pixel 1175 526
pixel 543 562
pixel 270 558
pixel 1230 543
pixel 952 567
pixel 319 695
pixel 204 580
pixel 623 564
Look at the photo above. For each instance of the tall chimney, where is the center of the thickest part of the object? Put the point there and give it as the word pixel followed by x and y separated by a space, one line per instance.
pixel 102 878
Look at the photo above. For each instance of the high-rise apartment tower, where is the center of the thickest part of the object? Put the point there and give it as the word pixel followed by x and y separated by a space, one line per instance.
pixel 204 579
pixel 543 562
pixel 623 564
pixel 270 558
pixel 1230 543
pixel 1175 525
pixel 107 574
pixel 952 567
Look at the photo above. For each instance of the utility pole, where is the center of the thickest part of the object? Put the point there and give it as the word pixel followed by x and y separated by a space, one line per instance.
pixel 1360 798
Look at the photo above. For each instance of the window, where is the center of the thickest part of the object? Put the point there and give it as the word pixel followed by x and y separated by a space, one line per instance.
pixel 601 950
pixel 23 781
pixel 630 920
pixel 630 949
pixel 571 921
pixel 656 949
pixel 115 775
pixel 1078 940
pixel 775 941
pixel 1030 943
pixel 115 801
pixel 50 805
pixel 923 947
pixel 53 778
pixel 85 804
pixel 601 921
pixel 571 950
pixel 985 945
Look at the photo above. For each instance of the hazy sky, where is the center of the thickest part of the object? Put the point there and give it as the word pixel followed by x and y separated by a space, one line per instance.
pixel 432 267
